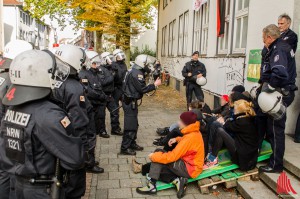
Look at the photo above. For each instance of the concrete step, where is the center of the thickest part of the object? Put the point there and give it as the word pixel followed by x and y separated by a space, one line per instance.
pixel 254 190
pixel 270 179
pixel 291 156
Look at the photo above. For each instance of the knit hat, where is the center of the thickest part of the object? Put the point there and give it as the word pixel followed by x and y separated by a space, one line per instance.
pixel 238 88
pixel 188 118
pixel 225 97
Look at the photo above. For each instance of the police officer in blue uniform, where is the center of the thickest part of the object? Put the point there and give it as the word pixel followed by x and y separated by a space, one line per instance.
pixel 286 34
pixel 107 77
pixel 134 87
pixel 71 95
pixel 36 134
pixel 278 73
pixel 12 49
pixel 191 71
pixel 94 97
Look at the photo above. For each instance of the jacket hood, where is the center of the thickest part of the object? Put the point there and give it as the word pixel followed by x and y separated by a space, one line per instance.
pixel 192 128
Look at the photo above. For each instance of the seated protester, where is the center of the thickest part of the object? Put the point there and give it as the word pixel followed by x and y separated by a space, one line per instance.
pixel 204 108
pixel 223 110
pixel 243 147
pixel 183 162
pixel 198 108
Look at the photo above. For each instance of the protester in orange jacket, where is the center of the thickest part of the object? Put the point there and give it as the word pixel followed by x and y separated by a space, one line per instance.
pixel 184 161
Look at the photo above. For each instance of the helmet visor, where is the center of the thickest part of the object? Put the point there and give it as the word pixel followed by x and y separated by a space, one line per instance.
pixel 62 70
pixel 120 56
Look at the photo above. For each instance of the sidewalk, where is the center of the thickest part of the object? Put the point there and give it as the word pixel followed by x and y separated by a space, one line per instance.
pixel 118 181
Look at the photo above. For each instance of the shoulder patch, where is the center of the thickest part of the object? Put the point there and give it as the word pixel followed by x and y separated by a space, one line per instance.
pixel 84 80
pixel 292 54
pixel 2 80
pixel 276 58
pixel 82 98
pixel 65 122
pixel 58 84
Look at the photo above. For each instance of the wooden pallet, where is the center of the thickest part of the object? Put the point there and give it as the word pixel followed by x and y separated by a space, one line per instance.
pixel 229 179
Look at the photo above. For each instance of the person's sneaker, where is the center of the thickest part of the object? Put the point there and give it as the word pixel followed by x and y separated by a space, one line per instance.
pixel 127 152
pixel 180 184
pixel 209 163
pixel 149 189
pixel 136 167
pixel 136 147
pixel 163 131
pixel 104 134
pixel 158 141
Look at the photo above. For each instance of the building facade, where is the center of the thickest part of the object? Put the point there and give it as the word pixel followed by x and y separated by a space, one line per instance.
pixel 182 29
pixel 1 28
pixel 18 24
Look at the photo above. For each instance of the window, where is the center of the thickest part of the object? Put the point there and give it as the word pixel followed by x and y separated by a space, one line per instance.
pixel 241 26
pixel 171 38
pixel 165 3
pixel 180 35
pixel 197 31
pixel 163 39
pixel 224 41
pixel 185 32
pixel 204 29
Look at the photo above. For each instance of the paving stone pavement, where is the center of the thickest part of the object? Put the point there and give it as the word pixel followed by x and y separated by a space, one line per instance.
pixel 118 181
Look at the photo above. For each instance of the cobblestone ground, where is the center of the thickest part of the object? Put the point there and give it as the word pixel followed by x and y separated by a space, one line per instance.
pixel 118 181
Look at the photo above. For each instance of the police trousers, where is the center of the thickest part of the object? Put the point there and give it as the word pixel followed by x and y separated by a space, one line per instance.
pixel 4 184
pixel 274 130
pixel 131 124
pixel 193 88
pixel 91 138
pixel 100 113
pixel 75 188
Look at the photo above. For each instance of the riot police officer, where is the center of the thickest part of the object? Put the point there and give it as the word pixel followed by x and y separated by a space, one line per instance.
pixel 36 135
pixel 70 94
pixel 11 50
pixel 278 74
pixel 94 97
pixel 134 87
pixel 286 34
pixel 120 67
pixel 191 71
pixel 107 77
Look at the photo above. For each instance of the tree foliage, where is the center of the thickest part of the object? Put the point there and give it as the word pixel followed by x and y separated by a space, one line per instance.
pixel 113 17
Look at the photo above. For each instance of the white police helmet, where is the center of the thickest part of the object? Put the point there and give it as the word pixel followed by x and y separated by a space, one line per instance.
pixel 271 104
pixel 119 55
pixel 106 58
pixel 201 81
pixel 93 56
pixel 30 77
pixel 73 56
pixel 144 60
pixel 12 49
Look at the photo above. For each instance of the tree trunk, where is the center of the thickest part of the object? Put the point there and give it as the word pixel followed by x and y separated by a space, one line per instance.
pixel 98 43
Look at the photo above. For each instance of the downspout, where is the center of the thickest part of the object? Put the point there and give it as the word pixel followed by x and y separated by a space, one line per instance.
pixel 157 34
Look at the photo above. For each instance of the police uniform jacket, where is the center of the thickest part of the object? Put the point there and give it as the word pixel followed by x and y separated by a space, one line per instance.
pixel 194 67
pixel 107 79
pixel 135 85
pixel 33 135
pixel 91 81
pixel 71 94
pixel 279 67
pixel 291 38
pixel 120 68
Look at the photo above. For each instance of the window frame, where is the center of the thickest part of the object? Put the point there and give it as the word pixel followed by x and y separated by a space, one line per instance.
pixel 180 35
pixel 197 31
pixel 171 38
pixel 240 15
pixel 185 33
pixel 163 44
pixel 204 28
pixel 227 38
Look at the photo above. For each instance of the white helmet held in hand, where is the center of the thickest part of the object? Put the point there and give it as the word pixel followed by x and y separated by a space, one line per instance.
pixel 201 81
pixel 12 49
pixel 144 60
pixel 30 77
pixel 106 58
pixel 119 55
pixel 271 104
pixel 74 56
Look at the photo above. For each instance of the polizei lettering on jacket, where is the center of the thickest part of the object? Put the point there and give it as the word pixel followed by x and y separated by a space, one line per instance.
pixel 18 118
